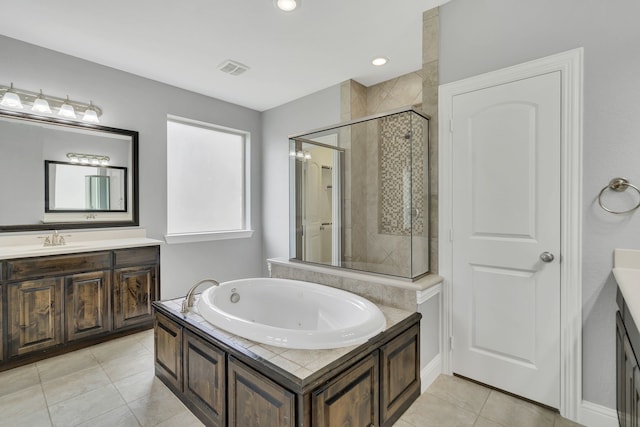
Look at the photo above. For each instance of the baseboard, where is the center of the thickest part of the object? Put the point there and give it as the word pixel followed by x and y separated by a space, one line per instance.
pixel 429 373
pixel 594 415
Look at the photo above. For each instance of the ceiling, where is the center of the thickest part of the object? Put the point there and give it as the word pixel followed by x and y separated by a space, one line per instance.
pixel 181 43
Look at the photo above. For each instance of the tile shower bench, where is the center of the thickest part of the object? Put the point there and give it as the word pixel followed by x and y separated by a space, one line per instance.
pixel 228 380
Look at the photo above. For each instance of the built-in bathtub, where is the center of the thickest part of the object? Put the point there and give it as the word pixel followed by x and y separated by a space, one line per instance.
pixel 291 313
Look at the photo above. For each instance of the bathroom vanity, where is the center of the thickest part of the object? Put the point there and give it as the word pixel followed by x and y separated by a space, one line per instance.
pixel 227 380
pixel 54 301
pixel 627 275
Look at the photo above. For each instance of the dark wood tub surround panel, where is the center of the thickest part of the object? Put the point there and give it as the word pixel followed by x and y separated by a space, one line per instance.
pixel 371 385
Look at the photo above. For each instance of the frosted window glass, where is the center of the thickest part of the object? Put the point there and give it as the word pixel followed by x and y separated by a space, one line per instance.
pixel 205 174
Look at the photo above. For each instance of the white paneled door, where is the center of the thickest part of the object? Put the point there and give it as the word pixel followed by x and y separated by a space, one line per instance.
pixel 506 156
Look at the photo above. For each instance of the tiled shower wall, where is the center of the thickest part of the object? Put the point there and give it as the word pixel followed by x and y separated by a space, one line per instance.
pixel 368 243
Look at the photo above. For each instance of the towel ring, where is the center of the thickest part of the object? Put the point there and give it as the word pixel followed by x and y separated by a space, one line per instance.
pixel 618 185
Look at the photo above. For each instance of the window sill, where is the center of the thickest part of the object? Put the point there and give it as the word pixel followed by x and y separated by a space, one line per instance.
pixel 207 237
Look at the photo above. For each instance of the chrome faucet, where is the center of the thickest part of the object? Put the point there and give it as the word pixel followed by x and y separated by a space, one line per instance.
pixel 54 240
pixel 188 300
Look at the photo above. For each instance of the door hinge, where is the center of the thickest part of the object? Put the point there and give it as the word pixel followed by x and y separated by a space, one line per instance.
pixel 451 234
pixel 451 343
pixel 450 125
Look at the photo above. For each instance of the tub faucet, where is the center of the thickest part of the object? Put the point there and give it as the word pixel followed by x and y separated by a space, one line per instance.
pixel 188 300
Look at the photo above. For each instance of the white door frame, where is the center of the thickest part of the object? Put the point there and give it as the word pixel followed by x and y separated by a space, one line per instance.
pixel 570 64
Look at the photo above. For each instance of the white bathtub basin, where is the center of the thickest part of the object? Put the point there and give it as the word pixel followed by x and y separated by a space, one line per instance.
pixel 291 313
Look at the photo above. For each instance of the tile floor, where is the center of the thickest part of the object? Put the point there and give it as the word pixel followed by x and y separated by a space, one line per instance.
pixel 113 384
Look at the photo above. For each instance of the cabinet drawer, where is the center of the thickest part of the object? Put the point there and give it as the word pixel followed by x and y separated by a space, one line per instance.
pixel 28 268
pixel 137 256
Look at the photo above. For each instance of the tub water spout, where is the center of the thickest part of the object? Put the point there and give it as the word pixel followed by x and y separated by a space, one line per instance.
pixel 188 300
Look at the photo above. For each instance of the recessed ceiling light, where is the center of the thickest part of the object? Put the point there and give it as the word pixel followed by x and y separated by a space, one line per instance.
pixel 379 61
pixel 286 5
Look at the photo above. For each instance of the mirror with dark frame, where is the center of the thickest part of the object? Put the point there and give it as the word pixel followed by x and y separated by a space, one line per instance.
pixel 90 178
pixel 71 187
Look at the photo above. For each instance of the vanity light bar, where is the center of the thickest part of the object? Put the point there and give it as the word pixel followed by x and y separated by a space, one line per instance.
pixel 88 159
pixel 41 104
pixel 302 155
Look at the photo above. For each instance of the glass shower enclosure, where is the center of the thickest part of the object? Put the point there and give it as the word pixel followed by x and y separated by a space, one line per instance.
pixel 359 194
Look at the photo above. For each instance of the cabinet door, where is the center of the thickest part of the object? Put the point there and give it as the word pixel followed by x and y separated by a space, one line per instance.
pixel 256 401
pixel 134 291
pixel 620 371
pixel 204 378
pixel 631 366
pixel 636 398
pixel 168 351
pixel 1 320
pixel 87 304
pixel 35 317
pixel 351 399
pixel 400 375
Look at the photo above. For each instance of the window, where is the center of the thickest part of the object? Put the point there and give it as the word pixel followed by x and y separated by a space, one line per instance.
pixel 207 182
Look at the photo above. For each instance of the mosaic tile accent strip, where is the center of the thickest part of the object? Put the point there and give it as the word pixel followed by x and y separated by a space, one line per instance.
pixel 401 180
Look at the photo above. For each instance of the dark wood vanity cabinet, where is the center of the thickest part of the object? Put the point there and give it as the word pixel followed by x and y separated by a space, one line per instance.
pixel 134 291
pixel 135 286
pixel 35 315
pixel 87 304
pixel 627 370
pixel 59 302
pixel 223 386
pixel 1 320
pixel 627 378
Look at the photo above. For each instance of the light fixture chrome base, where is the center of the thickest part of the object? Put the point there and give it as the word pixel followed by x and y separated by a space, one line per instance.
pixel 30 98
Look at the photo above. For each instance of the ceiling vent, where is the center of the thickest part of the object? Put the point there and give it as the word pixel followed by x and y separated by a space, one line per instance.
pixel 232 67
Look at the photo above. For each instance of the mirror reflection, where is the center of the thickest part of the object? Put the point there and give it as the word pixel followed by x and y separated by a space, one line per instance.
pixel 48 197
pixel 318 169
pixel 360 195
pixel 78 188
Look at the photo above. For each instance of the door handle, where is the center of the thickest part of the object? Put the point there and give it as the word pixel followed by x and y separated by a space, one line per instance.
pixel 546 256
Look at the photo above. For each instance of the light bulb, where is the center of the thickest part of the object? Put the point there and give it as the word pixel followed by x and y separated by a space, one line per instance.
pixel 287 5
pixel 380 61
pixel 66 110
pixel 90 114
pixel 11 99
pixel 41 105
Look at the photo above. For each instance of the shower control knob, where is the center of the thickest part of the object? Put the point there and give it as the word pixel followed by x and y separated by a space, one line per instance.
pixel 546 257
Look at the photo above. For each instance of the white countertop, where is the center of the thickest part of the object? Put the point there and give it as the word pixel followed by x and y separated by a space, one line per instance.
pixel 30 245
pixel 627 273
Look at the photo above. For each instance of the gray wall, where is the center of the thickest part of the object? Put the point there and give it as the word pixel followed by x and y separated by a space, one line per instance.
pixel 135 103
pixel 478 36
pixel 310 112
